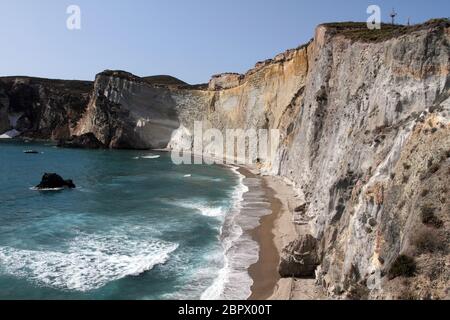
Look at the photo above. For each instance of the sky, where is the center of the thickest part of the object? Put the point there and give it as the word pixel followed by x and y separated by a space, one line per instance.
pixel 188 39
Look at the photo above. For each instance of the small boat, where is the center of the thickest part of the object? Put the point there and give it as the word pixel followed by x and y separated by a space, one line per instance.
pixel 31 152
pixel 151 157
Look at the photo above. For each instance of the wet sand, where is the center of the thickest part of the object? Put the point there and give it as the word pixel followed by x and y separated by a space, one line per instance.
pixel 265 272
pixel 274 233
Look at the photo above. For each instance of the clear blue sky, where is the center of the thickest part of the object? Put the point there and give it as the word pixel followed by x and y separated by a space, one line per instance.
pixel 189 39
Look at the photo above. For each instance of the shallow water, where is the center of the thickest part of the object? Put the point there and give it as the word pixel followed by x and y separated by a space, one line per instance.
pixel 136 226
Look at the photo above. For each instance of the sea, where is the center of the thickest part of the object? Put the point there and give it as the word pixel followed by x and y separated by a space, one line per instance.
pixel 137 227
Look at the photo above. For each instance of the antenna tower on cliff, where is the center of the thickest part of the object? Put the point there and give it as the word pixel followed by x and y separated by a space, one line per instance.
pixel 393 15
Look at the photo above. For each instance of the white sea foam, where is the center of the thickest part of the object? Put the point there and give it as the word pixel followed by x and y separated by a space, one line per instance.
pixel 211 211
pixel 46 189
pixel 202 207
pixel 233 281
pixel 89 263
pixel 240 250
pixel 196 279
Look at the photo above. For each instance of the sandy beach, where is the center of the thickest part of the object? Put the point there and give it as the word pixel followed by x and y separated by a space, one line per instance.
pixel 275 232
pixel 265 272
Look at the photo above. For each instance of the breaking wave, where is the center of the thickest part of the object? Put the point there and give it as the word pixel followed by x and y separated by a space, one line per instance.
pixel 90 261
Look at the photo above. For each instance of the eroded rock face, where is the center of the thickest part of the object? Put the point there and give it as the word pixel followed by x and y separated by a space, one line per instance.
pixel 266 97
pixel 85 141
pixel 362 106
pixel 42 108
pixel 127 112
pixel 225 81
pixel 5 124
pixel 300 258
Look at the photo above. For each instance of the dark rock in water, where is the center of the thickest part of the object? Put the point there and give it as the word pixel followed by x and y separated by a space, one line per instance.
pixel 300 258
pixel 31 152
pixel 86 141
pixel 54 181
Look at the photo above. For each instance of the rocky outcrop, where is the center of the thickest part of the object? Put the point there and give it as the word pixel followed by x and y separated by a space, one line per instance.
pixel 5 124
pixel 125 111
pixel 225 81
pixel 85 141
pixel 52 181
pixel 300 258
pixel 42 108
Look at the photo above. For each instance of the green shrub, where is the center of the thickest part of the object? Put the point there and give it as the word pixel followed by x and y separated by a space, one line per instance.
pixel 404 266
pixel 435 168
pixel 428 240
pixel 429 218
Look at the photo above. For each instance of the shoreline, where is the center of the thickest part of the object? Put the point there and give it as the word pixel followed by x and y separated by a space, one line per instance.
pixel 274 232
pixel 271 233
pixel 264 272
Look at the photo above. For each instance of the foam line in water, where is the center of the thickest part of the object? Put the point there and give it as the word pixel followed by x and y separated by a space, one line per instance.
pixel 89 263
pixel 46 189
pixel 202 207
pixel 230 233
pixel 233 281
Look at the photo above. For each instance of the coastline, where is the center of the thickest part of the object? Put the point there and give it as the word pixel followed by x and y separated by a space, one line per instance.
pixel 274 232
pixel 270 232
pixel 264 272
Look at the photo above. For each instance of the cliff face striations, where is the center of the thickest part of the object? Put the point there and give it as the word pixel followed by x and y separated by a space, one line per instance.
pixel 369 154
pixel 42 108
pixel 364 118
pixel 125 111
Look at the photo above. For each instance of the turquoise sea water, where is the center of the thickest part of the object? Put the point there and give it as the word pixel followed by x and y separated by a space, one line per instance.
pixel 135 228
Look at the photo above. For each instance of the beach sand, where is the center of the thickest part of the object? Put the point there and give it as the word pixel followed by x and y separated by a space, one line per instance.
pixel 265 272
pixel 274 233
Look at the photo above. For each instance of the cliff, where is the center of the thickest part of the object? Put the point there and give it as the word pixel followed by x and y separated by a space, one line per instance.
pixel 369 154
pixel 42 108
pixel 364 117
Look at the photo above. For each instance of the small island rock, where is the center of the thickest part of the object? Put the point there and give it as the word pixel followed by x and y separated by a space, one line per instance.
pixel 54 181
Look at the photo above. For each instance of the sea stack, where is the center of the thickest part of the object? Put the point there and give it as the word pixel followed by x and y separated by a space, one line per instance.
pixel 54 181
